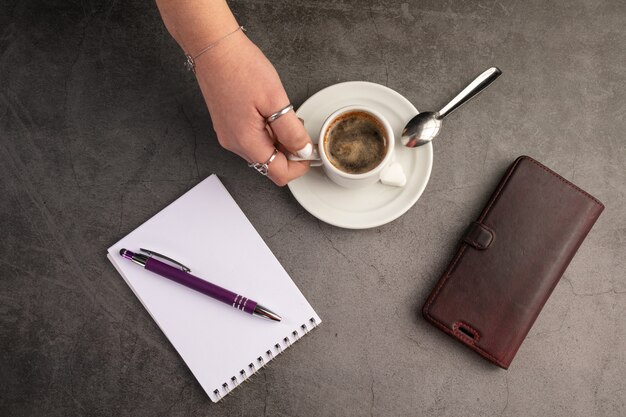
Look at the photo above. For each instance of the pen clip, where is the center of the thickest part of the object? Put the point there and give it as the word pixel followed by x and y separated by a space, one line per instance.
pixel 158 255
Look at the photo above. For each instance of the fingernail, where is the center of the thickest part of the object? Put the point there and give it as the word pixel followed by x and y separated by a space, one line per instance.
pixel 305 152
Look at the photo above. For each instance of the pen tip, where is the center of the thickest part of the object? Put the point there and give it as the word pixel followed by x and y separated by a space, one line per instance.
pixel 266 313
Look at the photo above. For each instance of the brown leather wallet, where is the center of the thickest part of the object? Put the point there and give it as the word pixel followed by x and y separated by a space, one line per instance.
pixel 511 259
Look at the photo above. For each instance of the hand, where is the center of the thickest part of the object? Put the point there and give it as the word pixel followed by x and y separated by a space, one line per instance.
pixel 241 88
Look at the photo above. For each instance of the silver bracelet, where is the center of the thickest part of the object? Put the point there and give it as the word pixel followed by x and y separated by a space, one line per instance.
pixel 190 63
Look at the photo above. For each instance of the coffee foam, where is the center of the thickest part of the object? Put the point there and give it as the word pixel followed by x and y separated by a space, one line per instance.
pixel 355 142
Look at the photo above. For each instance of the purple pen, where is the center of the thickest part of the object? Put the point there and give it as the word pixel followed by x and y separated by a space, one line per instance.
pixel 183 276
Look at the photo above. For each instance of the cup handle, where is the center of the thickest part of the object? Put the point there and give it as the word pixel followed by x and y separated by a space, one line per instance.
pixel 315 159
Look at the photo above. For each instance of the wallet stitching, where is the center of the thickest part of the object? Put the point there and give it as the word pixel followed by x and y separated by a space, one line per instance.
pixel 458 332
pixel 472 346
pixel 575 187
pixel 462 251
pixel 446 328
pixel 497 195
pixel 549 171
pixel 447 275
pixel 466 339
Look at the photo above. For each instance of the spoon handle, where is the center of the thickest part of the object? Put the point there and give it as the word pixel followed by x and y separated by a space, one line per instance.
pixel 479 84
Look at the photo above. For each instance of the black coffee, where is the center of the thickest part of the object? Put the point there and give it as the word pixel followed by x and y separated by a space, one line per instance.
pixel 355 142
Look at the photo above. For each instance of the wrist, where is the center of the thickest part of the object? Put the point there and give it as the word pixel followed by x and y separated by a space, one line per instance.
pixel 197 42
pixel 194 24
pixel 190 63
pixel 224 57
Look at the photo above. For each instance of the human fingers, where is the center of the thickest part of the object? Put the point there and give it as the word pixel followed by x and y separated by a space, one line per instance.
pixel 290 132
pixel 280 169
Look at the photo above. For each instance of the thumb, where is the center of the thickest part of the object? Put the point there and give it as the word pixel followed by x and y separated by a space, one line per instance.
pixel 290 132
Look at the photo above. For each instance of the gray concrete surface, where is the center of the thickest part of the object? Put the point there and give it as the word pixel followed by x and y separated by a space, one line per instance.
pixel 100 128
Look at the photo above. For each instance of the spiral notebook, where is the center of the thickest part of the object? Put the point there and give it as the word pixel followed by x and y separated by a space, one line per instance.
pixel 206 231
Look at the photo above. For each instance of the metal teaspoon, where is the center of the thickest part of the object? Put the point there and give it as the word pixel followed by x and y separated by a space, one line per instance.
pixel 423 128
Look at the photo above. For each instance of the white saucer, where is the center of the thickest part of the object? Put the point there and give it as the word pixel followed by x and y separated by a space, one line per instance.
pixel 373 205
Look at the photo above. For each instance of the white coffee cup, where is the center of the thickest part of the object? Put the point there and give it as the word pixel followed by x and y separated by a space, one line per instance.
pixel 346 179
pixel 387 171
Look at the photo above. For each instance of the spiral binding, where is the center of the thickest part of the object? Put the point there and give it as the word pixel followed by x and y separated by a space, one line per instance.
pixel 264 359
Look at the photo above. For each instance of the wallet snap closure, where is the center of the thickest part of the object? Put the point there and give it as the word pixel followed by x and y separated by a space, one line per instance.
pixel 479 236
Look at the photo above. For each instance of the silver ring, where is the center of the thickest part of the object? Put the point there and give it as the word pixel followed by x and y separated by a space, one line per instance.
pixel 279 113
pixel 263 168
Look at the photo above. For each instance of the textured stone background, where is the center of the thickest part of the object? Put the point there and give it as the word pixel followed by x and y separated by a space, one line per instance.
pixel 100 128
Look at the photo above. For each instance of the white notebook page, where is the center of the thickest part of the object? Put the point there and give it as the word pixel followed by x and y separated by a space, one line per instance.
pixel 206 231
